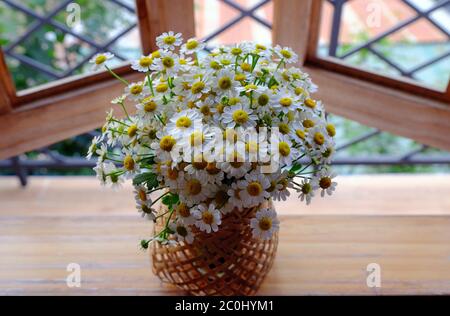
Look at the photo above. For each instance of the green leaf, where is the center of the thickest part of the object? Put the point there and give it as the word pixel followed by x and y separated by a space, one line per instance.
pixel 170 199
pixel 148 178
pixel 295 168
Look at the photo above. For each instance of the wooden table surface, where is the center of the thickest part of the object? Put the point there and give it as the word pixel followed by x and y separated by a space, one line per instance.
pixel 400 222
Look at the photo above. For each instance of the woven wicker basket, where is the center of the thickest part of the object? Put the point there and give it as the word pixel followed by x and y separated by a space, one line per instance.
pixel 229 262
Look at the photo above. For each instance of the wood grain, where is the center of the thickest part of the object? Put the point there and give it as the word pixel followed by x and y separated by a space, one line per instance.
pixel 291 25
pixel 51 119
pixel 158 16
pixel 47 226
pixel 7 90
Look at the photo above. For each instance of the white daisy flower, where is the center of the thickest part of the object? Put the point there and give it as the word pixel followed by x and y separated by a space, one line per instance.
pixel 194 191
pixel 164 146
pixel 286 153
pixel 253 189
pixel 286 54
pixel 224 84
pixel 238 115
pixel 185 214
pixel 235 201
pixel 141 196
pixel 192 46
pixel 306 190
pixel 150 106
pixel 325 181
pixel 99 60
pixel 183 123
pixel 265 224
pixel 113 179
pixel 208 218
pixel 137 90
pixel 130 163
pixel 146 211
pixel 93 147
pixel 169 40
pixel 318 138
pixel 182 232
pixel 285 101
pixel 168 63
pixel 142 64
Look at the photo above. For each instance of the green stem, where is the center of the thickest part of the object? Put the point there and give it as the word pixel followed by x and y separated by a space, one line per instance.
pixel 117 76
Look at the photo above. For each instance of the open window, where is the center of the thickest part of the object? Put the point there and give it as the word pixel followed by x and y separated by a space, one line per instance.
pixel 397 100
pixel 57 97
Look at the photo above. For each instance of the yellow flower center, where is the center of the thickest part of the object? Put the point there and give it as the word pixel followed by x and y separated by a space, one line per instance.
pixel 149 105
pixel 172 174
pixel 265 223
pixel 145 61
pixel 299 91
pixel 142 195
pixel 239 77
pixel 331 130
pixel 254 188
pixel 234 101
pixel 225 62
pixel 136 89
pixel 284 128
pixel 237 161
pixel 207 217
pixel 128 163
pixel 205 110
pixel 220 107
pixel 199 163
pixel 182 231
pixel 184 121
pixel 167 142
pixel 193 187
pixel 319 139
pixel 306 188
pixel 251 87
pixel 236 51
pixel 212 169
pixel 285 53
pixel 224 83
pixel 300 134
pixel 100 59
pixel 183 210
pixel 192 44
pixel 214 65
pixel 308 123
pixel 325 182
pixel 261 47
pixel 169 40
pixel 197 87
pixel 284 149
pixel 246 67
pixel 221 197
pixel 263 99
pixel 168 62
pixel 310 103
pixel 240 116
pixel 156 54
pixel 132 130
pixel 162 87
pixel 286 102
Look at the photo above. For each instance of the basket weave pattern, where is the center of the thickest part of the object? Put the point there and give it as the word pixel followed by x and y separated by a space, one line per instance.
pixel 228 262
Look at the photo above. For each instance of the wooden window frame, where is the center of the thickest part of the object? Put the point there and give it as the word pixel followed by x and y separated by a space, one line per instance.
pixel 395 105
pixel 40 116
pixel 49 113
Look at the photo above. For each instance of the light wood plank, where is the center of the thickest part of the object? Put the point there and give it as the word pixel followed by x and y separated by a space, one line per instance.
pixel 158 16
pixel 48 225
pixel 391 110
pixel 55 118
pixel 291 25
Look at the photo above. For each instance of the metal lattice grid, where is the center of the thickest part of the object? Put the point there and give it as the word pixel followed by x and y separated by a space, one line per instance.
pixel 370 45
pixel 41 20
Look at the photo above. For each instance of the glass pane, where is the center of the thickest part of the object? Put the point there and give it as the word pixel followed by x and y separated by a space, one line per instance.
pixel 222 23
pixel 391 37
pixel 44 40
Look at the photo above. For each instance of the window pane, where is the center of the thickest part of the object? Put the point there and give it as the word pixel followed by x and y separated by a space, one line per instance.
pixel 390 37
pixel 43 42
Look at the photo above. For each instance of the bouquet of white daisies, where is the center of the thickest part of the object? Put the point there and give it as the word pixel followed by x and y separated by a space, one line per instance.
pixel 215 133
